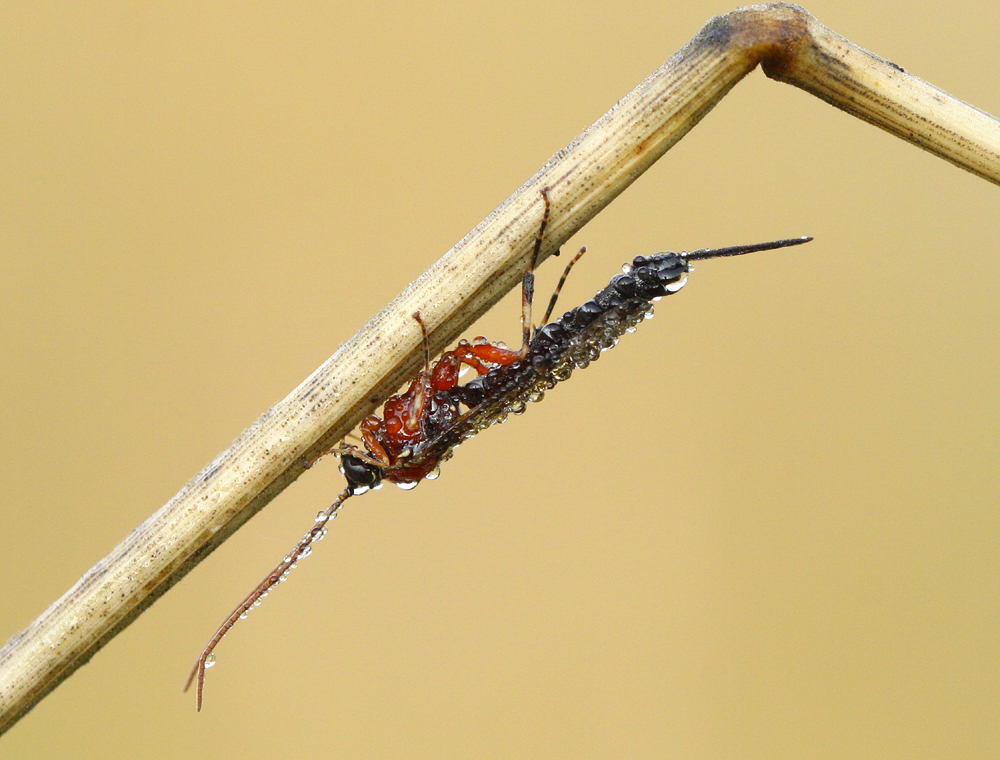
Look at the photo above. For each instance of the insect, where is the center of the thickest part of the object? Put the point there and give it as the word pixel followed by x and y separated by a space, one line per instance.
pixel 421 427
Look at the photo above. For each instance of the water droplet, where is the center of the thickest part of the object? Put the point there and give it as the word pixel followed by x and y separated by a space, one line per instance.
pixel 288 558
pixel 306 552
pixel 517 407
pixel 630 329
pixel 434 474
pixel 649 312
pixel 480 340
pixel 377 487
pixel 405 453
pixel 359 489
pixel 675 286
pixel 500 344
pixel 243 616
pixel 407 486
pixel 626 268
pixel 321 516
pixel 210 660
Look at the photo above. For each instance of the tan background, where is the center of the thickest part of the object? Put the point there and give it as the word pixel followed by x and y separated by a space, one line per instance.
pixel 766 526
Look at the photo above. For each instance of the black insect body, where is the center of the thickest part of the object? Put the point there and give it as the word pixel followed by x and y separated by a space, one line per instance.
pixel 421 426
pixel 571 342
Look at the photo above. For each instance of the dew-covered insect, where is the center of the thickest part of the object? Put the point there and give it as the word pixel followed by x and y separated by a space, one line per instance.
pixel 421 427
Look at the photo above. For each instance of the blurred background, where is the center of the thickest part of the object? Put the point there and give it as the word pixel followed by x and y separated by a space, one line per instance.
pixel 765 526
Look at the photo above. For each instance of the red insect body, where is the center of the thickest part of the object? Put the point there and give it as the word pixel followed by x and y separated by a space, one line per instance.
pixel 426 406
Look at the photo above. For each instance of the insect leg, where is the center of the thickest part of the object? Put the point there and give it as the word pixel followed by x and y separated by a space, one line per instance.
pixel 377 455
pixel 528 284
pixel 562 281
pixel 427 344
pixel 364 456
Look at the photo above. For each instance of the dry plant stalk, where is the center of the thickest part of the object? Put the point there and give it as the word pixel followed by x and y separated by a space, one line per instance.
pixel 788 43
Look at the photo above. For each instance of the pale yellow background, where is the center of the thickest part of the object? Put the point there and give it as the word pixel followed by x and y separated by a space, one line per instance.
pixel 765 526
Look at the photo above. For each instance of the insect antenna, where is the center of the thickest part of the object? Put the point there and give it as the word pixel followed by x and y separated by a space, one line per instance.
pixel 302 549
pixel 562 281
pixel 739 250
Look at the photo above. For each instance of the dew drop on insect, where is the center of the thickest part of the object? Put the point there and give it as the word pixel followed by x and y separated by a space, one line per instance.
pixel 321 516
pixel 630 329
pixel 210 660
pixel 408 486
pixel 480 340
pixel 360 489
pixel 306 552
pixel 434 474
pixel 517 407
pixel 288 558
pixel 657 298
pixel 377 487
pixel 243 616
pixel 675 286
pixel 405 453
pixel 626 268
pixel 649 312
pixel 500 344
